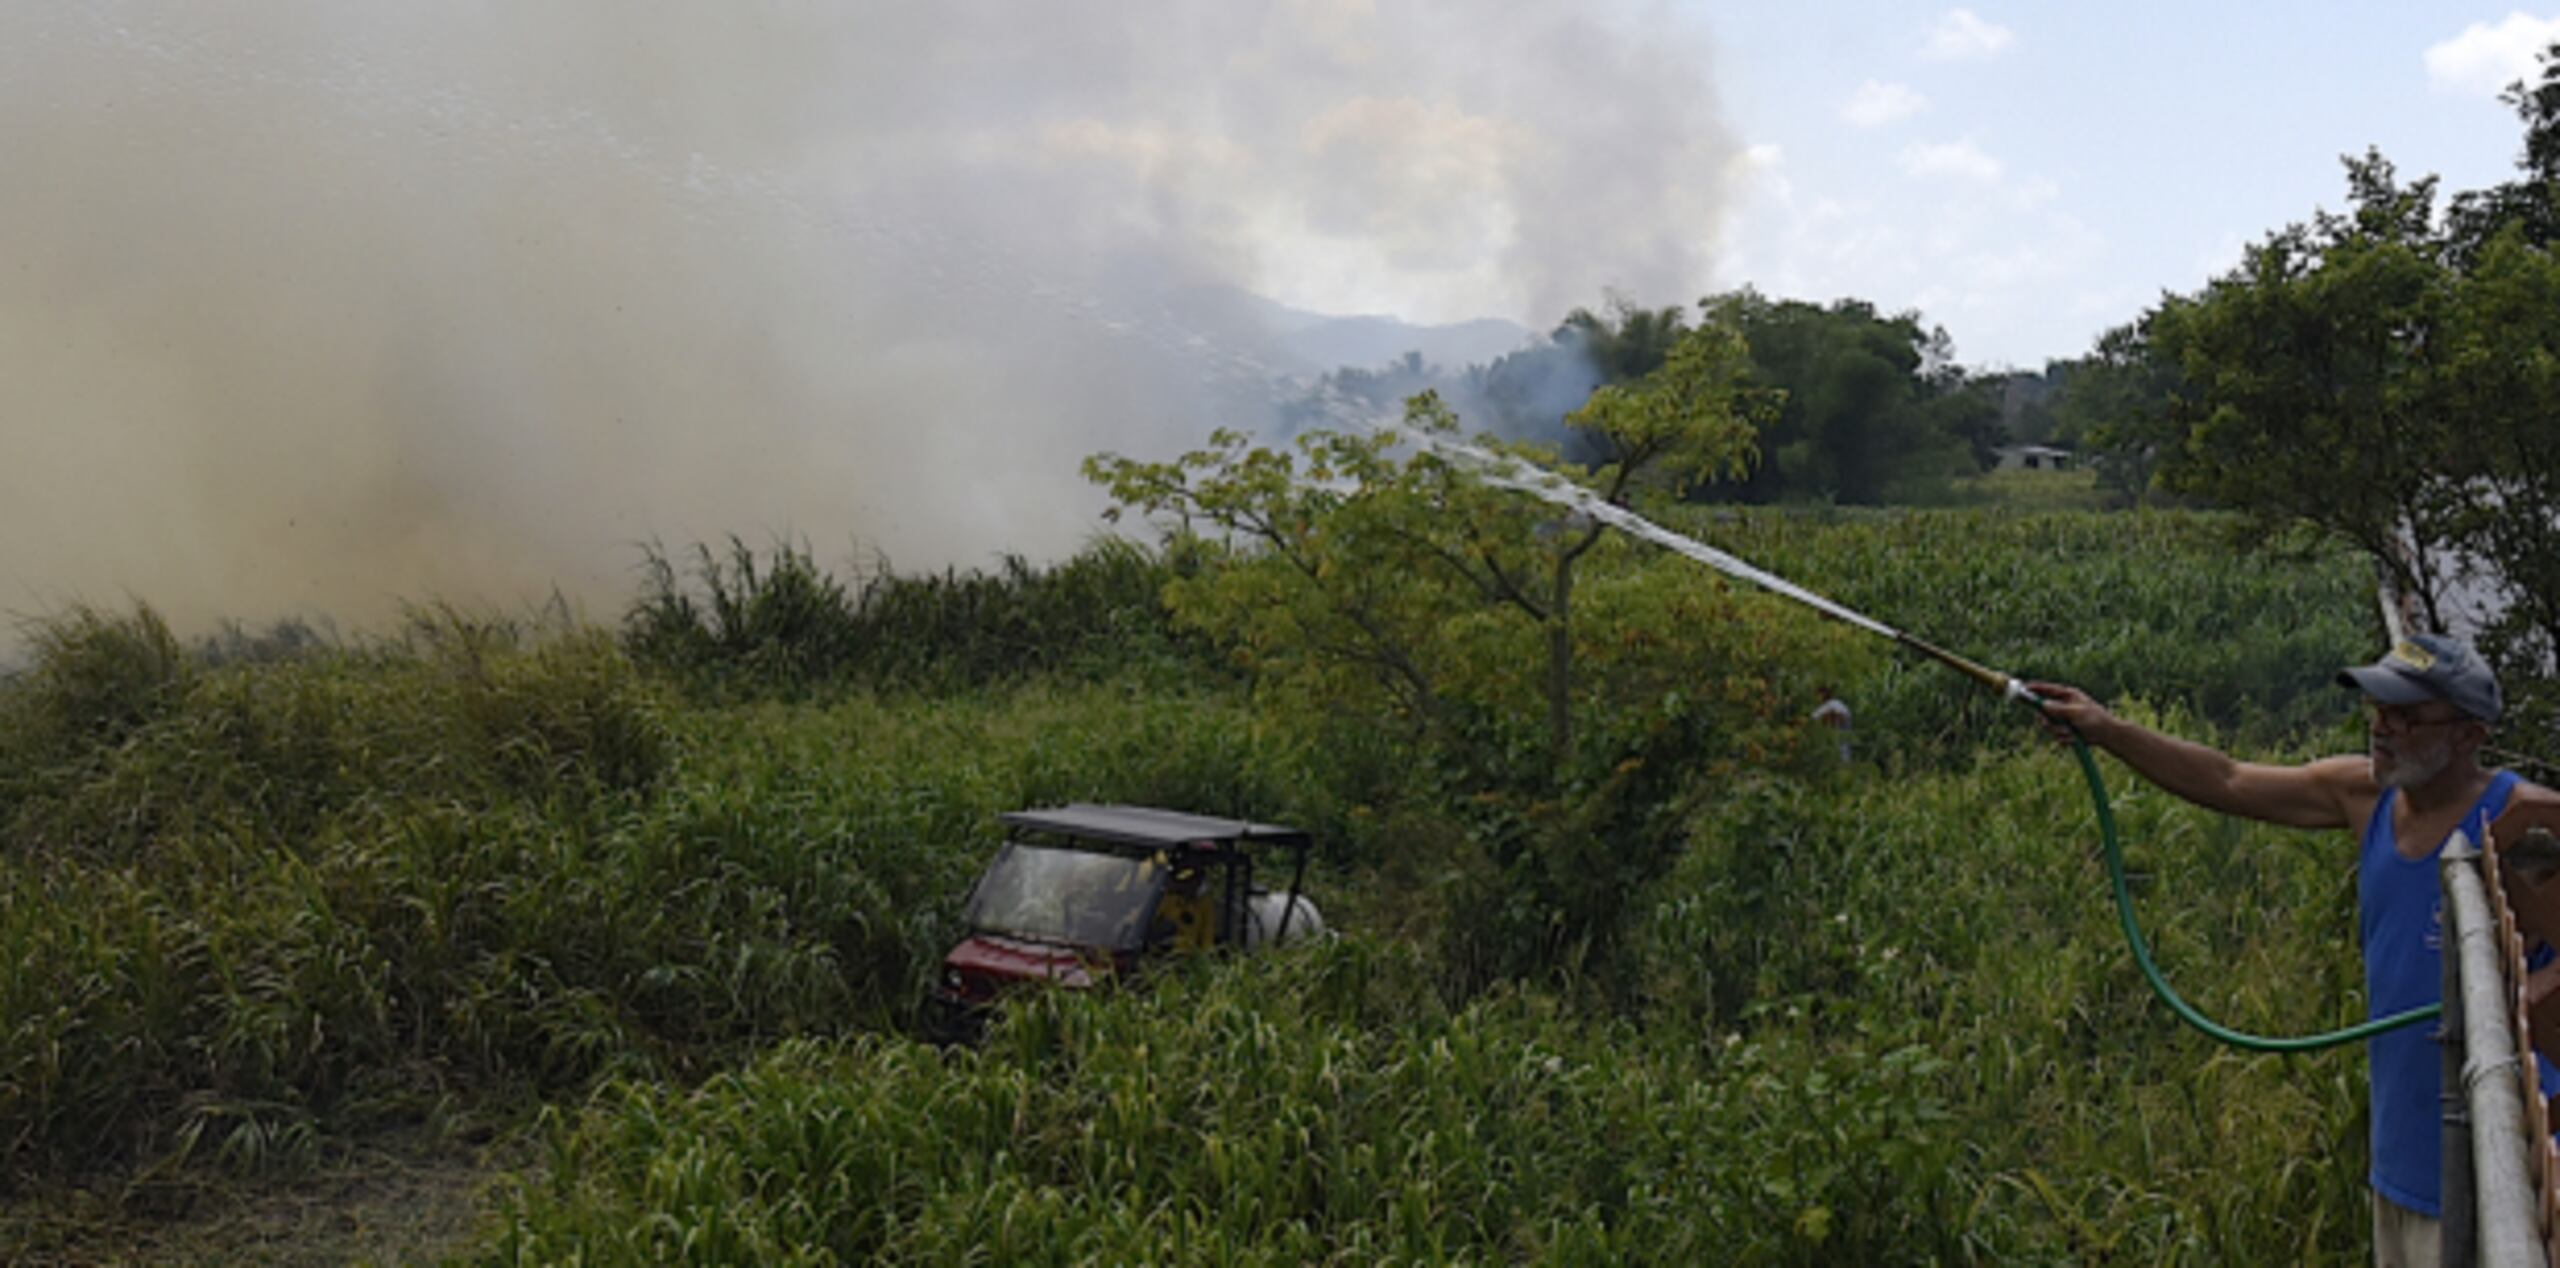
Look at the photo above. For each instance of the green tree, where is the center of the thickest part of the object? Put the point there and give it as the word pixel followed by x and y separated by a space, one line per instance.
pixel 2528 206
pixel 2310 385
pixel 1628 342
pixel 2115 403
pixel 1857 421
pixel 1393 588
pixel 1345 528
pixel 2386 377
pixel 1530 394
pixel 2500 349
pixel 1967 408
pixel 1522 395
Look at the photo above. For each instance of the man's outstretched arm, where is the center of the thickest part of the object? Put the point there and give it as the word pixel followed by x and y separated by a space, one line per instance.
pixel 2321 794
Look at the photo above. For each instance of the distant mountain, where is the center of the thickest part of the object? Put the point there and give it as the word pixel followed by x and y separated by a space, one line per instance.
pixel 1320 342
pixel 1368 342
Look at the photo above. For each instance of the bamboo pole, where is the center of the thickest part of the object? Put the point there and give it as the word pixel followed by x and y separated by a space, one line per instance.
pixel 2459 1236
pixel 2504 1198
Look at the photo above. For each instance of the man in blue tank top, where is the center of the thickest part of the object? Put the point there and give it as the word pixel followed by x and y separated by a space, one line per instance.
pixel 2430 704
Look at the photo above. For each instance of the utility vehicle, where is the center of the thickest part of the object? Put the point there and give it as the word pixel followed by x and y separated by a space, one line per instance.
pixel 1083 894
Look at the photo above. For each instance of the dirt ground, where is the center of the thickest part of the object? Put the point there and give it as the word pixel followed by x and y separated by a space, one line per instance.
pixel 391 1201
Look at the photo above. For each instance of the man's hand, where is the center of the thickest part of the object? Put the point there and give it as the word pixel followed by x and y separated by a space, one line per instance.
pixel 2068 707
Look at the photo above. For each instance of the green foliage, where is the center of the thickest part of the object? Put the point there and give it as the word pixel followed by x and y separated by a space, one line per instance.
pixel 117 741
pixel 1403 590
pixel 1629 341
pixel 2116 399
pixel 2309 380
pixel 1525 395
pixel 1869 413
pixel 1969 908
pixel 1692 993
pixel 783 624
pixel 2522 208
pixel 328 890
pixel 2149 603
pixel 232 643
pixel 1851 406
pixel 2502 372
pixel 1686 685
pixel 2382 378
pixel 1691 419
pixel 1090 615
pixel 1321 1110
pixel 2021 490
pixel 96 680
pixel 2377 383
pixel 782 621
pixel 1886 1023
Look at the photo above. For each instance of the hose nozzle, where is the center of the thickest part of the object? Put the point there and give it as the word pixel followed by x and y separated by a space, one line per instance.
pixel 2008 687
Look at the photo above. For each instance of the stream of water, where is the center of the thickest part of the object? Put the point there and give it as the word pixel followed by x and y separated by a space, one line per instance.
pixel 1509 473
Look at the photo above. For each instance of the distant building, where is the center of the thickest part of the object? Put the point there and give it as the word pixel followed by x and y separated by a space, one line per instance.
pixel 2034 458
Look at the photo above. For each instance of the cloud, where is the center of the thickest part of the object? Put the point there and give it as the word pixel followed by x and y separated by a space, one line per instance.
pixel 2034 192
pixel 2484 59
pixel 1960 159
pixel 1961 35
pixel 1876 104
pixel 1983 253
pixel 323 308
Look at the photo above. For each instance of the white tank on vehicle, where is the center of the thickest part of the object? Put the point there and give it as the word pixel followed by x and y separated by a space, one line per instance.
pixel 1263 911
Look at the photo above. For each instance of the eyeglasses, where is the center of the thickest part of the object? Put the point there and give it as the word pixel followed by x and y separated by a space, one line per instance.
pixel 2394 719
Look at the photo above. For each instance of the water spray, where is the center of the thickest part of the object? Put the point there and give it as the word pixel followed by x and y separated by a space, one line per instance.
pixel 1507 473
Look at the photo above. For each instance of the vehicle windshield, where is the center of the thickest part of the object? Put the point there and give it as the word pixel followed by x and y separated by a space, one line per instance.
pixel 1078 897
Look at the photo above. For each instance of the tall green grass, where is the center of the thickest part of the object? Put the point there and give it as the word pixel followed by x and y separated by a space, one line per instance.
pixel 2148 603
pixel 116 740
pixel 261 900
pixel 1326 1109
pixel 779 622
pixel 1889 1024
pixel 255 902
pixel 1970 909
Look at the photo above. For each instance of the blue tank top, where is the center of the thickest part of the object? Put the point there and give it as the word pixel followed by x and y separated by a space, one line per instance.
pixel 2401 917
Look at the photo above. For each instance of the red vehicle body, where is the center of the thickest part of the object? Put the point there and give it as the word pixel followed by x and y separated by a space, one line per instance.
pixel 1083 894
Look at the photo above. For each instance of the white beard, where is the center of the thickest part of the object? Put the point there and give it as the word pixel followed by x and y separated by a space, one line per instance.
pixel 2410 767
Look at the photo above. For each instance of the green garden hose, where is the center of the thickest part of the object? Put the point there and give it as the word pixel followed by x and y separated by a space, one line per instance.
pixel 2151 971
pixel 1506 473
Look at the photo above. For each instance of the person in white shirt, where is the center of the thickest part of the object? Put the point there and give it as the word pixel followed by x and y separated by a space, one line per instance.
pixel 1833 712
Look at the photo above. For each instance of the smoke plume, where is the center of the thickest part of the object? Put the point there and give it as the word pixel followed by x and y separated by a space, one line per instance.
pixel 321 307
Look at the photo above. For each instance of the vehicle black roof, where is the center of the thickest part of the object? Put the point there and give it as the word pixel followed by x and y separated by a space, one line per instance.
pixel 1147 826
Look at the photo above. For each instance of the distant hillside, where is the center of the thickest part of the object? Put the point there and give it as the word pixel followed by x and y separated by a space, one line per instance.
pixel 1333 342
pixel 1320 342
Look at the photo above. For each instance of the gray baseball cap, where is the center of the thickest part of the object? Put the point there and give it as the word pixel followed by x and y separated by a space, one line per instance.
pixel 2426 667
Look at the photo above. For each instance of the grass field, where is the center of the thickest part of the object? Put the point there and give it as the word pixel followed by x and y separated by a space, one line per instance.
pixel 633 925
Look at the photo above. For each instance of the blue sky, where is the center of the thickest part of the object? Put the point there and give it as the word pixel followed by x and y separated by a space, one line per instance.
pixel 2026 176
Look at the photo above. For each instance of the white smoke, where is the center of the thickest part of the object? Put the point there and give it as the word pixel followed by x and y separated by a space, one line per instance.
pixel 321 307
